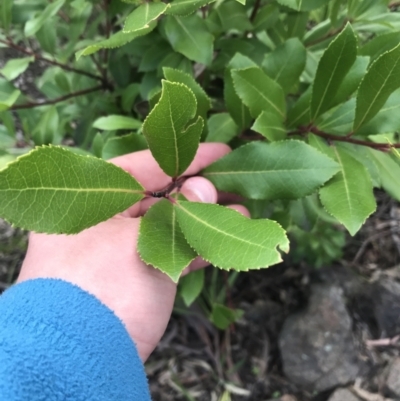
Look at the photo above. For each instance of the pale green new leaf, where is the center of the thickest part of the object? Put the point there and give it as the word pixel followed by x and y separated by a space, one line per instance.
pixel 117 40
pixel 303 5
pixel 259 92
pixel 8 99
pixel 278 170
pixel 141 17
pixel 221 128
pixel 332 68
pixel 34 24
pixel 161 242
pixel 381 80
pixel 190 37
pixel 286 63
pixel 222 317
pixel 122 145
pixel 115 122
pixel 389 172
pixel 52 190
pixel 173 143
pixel 186 7
pixel 348 196
pixel 16 67
pixel 270 125
pixel 191 285
pixel 229 240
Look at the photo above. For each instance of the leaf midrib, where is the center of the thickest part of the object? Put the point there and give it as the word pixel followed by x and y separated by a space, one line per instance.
pixel 263 171
pixel 218 230
pixel 132 191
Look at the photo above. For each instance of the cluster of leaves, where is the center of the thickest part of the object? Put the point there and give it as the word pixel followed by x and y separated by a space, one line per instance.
pixel 305 92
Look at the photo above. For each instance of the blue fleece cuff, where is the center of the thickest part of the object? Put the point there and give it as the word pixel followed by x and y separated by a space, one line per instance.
pixel 58 342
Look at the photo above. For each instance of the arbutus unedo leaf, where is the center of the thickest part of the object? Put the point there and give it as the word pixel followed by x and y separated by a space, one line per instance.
pixel 280 170
pixel 53 190
pixel 172 136
pixel 161 242
pixel 229 240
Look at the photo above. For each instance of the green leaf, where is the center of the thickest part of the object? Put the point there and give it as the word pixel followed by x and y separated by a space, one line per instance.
pixel 141 17
pixel 47 128
pixel 332 68
pixel 6 14
pixel 259 92
pixel 221 128
pixel 237 109
pixel 279 170
pixel 122 145
pixel 114 122
pixel 186 7
pixel 286 63
pixel 270 125
pixel 171 140
pixel 117 40
pixel 191 285
pixel 389 172
pixel 161 242
pixel 348 196
pixel 381 80
pixel 300 5
pixel 203 101
pixel 351 81
pixel 190 36
pixel 386 120
pixel 299 114
pixel 380 44
pixel 233 16
pixel 34 24
pixel 52 190
pixel 47 37
pixel 229 240
pixel 266 17
pixel 7 100
pixel 341 119
pixel 222 316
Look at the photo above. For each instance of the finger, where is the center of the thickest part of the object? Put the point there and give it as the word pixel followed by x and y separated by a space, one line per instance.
pixel 146 170
pixel 199 189
pixel 228 197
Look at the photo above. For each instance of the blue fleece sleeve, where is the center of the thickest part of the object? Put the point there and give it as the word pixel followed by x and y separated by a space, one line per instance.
pixel 58 342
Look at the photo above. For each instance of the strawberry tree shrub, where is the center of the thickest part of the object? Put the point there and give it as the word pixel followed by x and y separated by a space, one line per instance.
pixel 305 92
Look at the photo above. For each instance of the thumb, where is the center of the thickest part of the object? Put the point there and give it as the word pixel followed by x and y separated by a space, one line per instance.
pixel 199 189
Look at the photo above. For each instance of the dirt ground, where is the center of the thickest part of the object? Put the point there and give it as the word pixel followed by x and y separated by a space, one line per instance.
pixel 306 334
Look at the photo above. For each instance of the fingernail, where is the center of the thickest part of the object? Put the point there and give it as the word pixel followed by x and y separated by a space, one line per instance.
pixel 202 190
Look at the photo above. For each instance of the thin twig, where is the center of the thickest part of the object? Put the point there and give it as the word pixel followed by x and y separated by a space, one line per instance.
pixel 52 62
pixel 255 10
pixel 382 342
pixel 304 130
pixel 31 105
pixel 328 35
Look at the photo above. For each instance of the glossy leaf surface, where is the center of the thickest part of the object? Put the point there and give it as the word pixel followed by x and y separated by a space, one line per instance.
pixel 279 170
pixel 171 140
pixel 286 63
pixel 381 80
pixel 143 15
pixel 258 91
pixel 190 286
pixel 117 40
pixel 52 190
pixel 16 67
pixel 348 195
pixel 115 122
pixel 190 36
pixel 161 242
pixel 229 240
pixel 186 7
pixel 332 68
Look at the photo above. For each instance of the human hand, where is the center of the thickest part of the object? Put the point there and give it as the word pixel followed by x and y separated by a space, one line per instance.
pixel 103 259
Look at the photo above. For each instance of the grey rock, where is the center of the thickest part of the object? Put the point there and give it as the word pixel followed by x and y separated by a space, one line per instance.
pixel 393 380
pixel 386 306
pixel 342 394
pixel 317 346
